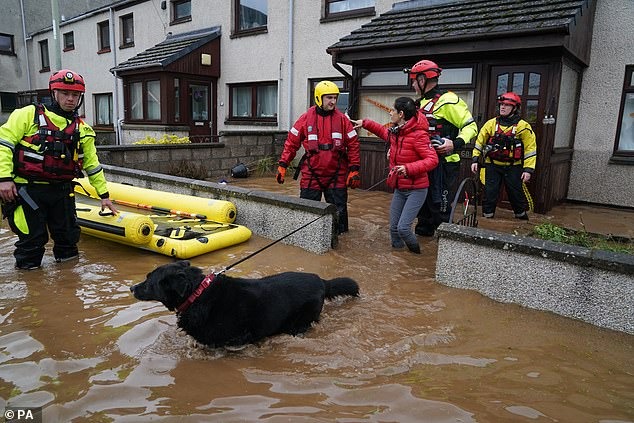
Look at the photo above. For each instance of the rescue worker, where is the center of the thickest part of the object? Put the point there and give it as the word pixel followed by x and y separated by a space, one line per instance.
pixel 451 126
pixel 507 144
pixel 42 149
pixel 330 163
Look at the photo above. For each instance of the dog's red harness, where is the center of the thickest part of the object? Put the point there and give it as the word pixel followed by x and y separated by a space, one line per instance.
pixel 203 285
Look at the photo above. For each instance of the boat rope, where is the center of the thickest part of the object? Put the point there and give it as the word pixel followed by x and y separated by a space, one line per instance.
pixel 270 245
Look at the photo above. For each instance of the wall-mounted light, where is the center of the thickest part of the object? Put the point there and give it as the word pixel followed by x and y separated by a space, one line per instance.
pixel 163 5
pixel 205 59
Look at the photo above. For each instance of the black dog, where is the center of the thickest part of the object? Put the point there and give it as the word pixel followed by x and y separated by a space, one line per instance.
pixel 237 311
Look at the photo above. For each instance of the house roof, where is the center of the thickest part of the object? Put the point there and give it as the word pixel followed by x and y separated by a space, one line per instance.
pixel 166 52
pixel 425 22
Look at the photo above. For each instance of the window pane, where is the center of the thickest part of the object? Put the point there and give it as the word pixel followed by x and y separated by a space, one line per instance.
pixel 104 35
pixel 153 100
pixel 8 101
pixel 241 102
pixel 200 101
pixel 182 9
pixel 518 83
pixel 534 79
pixel 456 76
pixel 253 13
pixel 347 5
pixel 69 40
pixel 267 101
pixel 377 79
pixel 343 101
pixel 503 83
pixel 44 54
pixel 6 43
pixel 626 140
pixel 127 26
pixel 136 100
pixel 103 106
pixel 177 100
pixel 530 115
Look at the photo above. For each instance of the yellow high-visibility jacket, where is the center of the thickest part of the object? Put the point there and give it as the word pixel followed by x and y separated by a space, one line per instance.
pixel 21 123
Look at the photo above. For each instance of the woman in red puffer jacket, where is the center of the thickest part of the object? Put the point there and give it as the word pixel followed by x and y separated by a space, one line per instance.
pixel 411 157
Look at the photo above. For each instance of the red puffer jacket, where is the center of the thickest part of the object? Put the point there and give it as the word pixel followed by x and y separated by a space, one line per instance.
pixel 409 146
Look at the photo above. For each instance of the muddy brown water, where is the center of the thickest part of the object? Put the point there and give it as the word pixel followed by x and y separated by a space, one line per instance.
pixel 74 340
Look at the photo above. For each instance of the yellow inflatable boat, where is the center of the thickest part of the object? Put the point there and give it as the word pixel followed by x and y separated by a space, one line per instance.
pixel 169 234
pixel 166 202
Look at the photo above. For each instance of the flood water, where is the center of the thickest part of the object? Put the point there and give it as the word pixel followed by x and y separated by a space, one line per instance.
pixel 75 341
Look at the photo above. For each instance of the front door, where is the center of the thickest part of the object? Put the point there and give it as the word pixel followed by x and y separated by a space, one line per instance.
pixel 530 83
pixel 201 115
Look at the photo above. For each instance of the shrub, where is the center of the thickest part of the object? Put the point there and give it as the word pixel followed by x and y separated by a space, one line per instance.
pixel 165 139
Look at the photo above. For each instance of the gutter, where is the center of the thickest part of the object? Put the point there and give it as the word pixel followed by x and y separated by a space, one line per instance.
pixel 26 49
pixel 115 91
pixel 289 91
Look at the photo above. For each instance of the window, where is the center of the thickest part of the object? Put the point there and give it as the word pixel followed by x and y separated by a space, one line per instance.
pixel 256 102
pixel 127 31
pixel 44 61
pixel 250 16
pixel 103 109
pixel 624 145
pixel 103 36
pixel 6 44
pixel 145 100
pixel 343 9
pixel 344 95
pixel 69 41
pixel 8 102
pixel 181 11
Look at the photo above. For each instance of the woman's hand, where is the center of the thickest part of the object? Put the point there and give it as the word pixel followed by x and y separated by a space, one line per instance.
pixel 401 170
pixel 474 167
pixel 357 123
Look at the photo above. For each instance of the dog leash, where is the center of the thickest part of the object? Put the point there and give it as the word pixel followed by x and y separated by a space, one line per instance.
pixel 269 245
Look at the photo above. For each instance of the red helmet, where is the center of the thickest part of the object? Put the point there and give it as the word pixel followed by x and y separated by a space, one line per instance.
pixel 511 99
pixel 66 79
pixel 427 68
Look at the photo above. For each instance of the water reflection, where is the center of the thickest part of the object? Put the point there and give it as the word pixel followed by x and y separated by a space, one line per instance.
pixel 74 340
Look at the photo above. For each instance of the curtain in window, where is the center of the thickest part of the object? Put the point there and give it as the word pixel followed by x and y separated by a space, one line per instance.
pixel 267 101
pixel 136 100
pixel 103 104
pixel 241 102
pixel 153 100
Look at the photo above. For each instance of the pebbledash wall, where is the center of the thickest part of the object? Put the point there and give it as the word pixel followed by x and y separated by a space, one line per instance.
pixel 590 285
pixel 216 159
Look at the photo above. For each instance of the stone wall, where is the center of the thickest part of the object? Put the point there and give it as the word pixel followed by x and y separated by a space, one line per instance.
pixel 208 160
pixel 591 285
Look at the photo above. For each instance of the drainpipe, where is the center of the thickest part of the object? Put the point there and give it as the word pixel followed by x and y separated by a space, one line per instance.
pixel 56 41
pixel 291 62
pixel 26 50
pixel 115 92
pixel 337 66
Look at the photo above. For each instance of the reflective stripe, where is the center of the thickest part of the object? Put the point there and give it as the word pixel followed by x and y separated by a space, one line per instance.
pixel 94 171
pixel 528 156
pixel 7 144
pixel 337 135
pixel 352 134
pixel 312 137
pixel 294 131
pixel 453 158
pixel 33 155
pixel 42 120
pixel 477 147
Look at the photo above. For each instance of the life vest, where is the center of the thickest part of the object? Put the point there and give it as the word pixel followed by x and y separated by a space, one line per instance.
pixel 49 154
pixel 438 127
pixel 504 146
pixel 334 142
pixel 325 153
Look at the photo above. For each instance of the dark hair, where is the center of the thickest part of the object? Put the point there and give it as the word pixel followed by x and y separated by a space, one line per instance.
pixel 405 105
